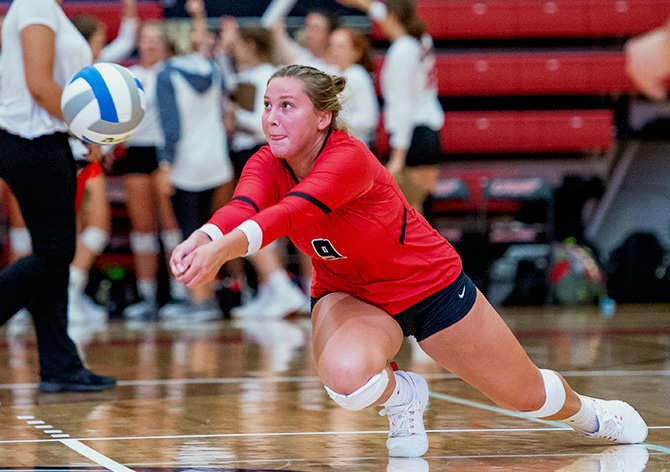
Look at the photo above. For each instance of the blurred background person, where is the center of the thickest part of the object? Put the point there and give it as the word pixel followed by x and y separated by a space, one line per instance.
pixel 247 61
pixel 150 211
pixel 349 51
pixel 313 48
pixel 413 115
pixel 194 165
pixel 95 33
pixel 42 51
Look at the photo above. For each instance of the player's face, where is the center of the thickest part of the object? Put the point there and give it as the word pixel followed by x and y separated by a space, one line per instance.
pixel 316 33
pixel 341 50
pixel 150 44
pixel 290 122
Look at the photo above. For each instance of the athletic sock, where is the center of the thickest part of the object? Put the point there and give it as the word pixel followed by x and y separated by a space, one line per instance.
pixel 402 394
pixel 147 289
pixel 585 420
pixel 78 281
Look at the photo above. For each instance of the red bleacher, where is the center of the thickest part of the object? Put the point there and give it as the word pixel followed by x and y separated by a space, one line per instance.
pixel 504 19
pixel 514 131
pixel 530 73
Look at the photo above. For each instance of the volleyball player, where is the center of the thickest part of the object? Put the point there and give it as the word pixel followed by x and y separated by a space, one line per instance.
pixel 380 273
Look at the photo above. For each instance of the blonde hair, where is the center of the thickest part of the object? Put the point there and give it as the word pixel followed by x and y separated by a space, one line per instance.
pixel 321 88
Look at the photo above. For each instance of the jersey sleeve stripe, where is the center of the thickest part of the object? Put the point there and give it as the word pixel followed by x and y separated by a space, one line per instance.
pixel 249 201
pixel 404 225
pixel 322 206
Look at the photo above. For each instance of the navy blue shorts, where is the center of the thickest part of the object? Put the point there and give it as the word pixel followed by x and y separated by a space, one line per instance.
pixel 437 311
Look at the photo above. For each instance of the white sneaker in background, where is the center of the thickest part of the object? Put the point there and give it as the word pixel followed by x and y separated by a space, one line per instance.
pixel 95 311
pixel 284 302
pixel 407 435
pixel 179 314
pixel 207 310
pixel 81 310
pixel 142 310
pixel 19 323
pixel 273 301
pixel 254 307
pixel 617 421
pixel 174 309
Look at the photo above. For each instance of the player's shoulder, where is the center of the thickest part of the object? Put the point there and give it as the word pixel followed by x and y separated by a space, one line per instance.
pixel 340 142
pixel 346 150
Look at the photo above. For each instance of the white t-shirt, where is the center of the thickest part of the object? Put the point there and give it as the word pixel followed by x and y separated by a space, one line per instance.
pixel 409 88
pixel 149 132
pixel 361 108
pixel 19 113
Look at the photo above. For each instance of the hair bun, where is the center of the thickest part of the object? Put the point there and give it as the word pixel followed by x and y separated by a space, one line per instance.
pixel 339 83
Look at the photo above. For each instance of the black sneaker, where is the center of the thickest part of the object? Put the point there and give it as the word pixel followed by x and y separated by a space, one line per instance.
pixel 82 381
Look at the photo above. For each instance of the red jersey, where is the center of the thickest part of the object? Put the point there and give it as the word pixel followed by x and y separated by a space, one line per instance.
pixel 91 171
pixel 351 218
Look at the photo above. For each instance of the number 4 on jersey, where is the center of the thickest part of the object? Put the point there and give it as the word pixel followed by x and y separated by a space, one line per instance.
pixel 325 249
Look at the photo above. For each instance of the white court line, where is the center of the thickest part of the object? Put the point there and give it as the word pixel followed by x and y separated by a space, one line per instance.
pixel 495 409
pixel 95 456
pixel 302 433
pixel 234 380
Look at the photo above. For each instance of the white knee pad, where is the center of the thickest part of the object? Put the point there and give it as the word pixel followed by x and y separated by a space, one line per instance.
pixel 171 239
pixel 19 240
pixel 365 396
pixel 555 395
pixel 143 243
pixel 95 239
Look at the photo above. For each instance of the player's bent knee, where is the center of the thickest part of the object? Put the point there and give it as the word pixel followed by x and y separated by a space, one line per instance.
pixel 554 395
pixel 365 396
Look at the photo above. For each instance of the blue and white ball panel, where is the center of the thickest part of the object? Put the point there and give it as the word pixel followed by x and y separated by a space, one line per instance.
pixel 103 103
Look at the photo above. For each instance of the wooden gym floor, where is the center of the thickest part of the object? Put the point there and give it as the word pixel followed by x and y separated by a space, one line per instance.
pixel 228 396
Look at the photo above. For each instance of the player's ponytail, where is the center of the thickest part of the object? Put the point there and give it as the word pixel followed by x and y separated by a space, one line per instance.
pixel 321 88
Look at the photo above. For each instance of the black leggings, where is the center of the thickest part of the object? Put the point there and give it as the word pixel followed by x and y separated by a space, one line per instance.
pixel 41 174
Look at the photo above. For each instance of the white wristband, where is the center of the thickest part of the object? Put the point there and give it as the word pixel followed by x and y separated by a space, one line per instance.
pixel 254 235
pixel 212 231
pixel 377 11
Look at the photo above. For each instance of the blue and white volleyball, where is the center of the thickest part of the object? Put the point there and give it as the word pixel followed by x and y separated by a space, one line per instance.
pixel 103 103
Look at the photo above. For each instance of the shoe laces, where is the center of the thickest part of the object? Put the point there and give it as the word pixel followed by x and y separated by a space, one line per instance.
pixel 401 419
pixel 610 426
